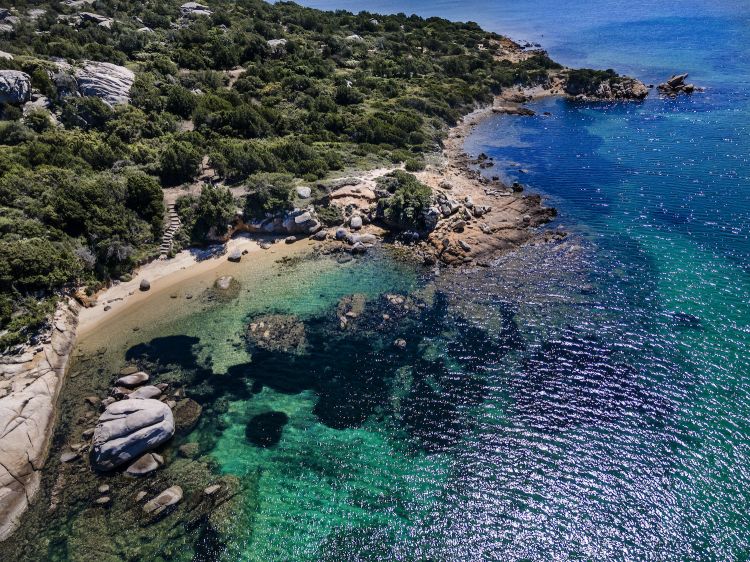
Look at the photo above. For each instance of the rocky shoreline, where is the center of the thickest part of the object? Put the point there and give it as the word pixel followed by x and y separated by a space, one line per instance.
pixel 476 220
pixel 30 386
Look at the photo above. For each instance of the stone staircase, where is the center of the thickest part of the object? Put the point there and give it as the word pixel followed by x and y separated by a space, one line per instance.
pixel 172 227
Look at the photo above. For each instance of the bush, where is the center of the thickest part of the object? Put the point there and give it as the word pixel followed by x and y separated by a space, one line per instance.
pixel 329 215
pixel 86 113
pixel 179 162
pixel 268 193
pixel 414 165
pixel 236 160
pixel 38 120
pixel 181 101
pixel 411 198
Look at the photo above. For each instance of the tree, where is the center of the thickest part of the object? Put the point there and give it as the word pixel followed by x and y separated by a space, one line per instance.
pixel 179 162
pixel 36 263
pixel 411 198
pixel 181 101
pixel 268 193
pixel 214 210
pixel 145 197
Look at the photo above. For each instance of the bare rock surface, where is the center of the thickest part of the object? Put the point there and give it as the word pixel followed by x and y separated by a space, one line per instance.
pixel 15 87
pixel 129 428
pixel 105 80
pixel 133 379
pixel 30 384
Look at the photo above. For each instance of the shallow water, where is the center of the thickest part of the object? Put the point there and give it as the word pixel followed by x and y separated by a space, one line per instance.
pixel 587 399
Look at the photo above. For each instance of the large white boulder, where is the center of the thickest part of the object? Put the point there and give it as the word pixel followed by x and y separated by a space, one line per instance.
pixel 105 80
pixel 129 428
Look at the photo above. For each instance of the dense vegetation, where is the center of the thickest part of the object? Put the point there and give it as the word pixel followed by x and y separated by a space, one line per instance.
pixel 404 209
pixel 80 194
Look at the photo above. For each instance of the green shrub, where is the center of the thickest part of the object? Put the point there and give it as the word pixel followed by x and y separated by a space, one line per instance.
pixel 86 113
pixel 268 193
pixel 414 165
pixel 36 263
pixel 214 209
pixel 179 162
pixel 404 209
pixel 38 120
pixel 329 215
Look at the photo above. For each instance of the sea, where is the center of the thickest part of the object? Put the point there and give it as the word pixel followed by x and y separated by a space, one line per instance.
pixel 582 400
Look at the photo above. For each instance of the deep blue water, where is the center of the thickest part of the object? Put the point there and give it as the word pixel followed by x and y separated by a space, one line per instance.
pixel 625 425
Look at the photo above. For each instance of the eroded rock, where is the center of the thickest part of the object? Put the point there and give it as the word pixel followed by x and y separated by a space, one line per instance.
pixel 105 80
pixel 128 429
pixel 15 87
pixel 169 497
pixel 132 380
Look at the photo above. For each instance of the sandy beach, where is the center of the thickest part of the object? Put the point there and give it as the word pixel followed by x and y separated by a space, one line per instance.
pixel 165 275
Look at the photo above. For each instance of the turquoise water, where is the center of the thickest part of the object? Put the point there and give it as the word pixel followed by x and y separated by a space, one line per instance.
pixel 622 430
pixel 587 399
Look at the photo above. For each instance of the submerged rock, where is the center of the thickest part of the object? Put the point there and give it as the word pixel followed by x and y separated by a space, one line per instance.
pixel 128 429
pixel 264 430
pixel 189 450
pixel 186 413
pixel 224 282
pixel 169 497
pixel 145 465
pixel 277 332
pixel 132 380
pixel 149 391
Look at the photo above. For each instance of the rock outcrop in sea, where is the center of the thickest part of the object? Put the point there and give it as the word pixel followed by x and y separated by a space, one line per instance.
pixel 676 85
pixel 613 88
pixel 129 428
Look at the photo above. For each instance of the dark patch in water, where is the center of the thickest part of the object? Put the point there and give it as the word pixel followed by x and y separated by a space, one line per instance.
pixel 686 320
pixel 264 430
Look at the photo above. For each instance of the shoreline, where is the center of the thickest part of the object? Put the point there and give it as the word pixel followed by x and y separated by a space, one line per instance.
pixel 163 275
pixel 32 383
pixel 493 218
pixel 507 222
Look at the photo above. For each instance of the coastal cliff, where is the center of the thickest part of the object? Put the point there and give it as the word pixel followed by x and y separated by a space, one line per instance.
pixel 30 385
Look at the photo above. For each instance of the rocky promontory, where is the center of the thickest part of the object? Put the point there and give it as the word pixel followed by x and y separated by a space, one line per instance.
pixel 30 385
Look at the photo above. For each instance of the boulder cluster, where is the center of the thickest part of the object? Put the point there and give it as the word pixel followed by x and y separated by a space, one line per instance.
pixel 676 85
pixel 297 221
